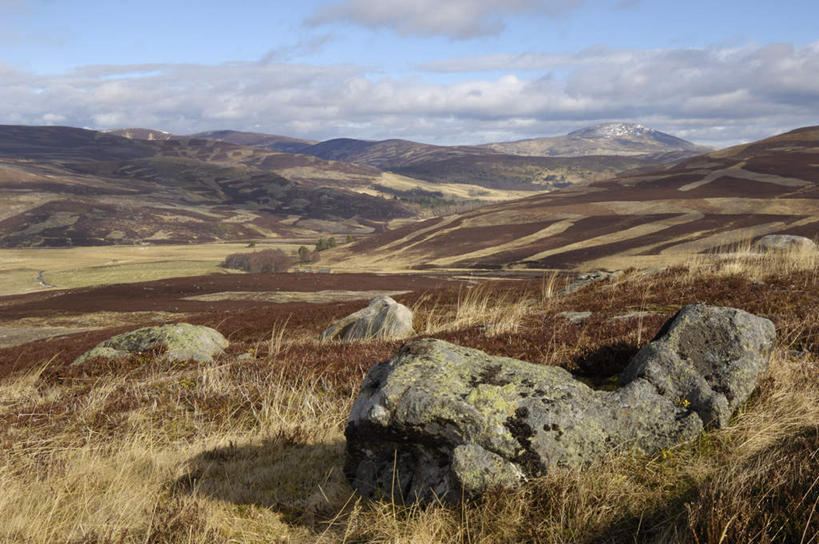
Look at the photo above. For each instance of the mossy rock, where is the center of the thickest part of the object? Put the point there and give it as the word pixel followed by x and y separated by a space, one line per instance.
pixel 440 421
pixel 176 342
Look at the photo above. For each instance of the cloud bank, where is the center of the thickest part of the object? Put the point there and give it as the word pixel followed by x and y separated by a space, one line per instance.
pixel 457 19
pixel 716 95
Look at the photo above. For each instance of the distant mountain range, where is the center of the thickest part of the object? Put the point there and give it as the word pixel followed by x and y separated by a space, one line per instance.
pixel 539 164
pixel 639 219
pixel 619 139
pixel 62 186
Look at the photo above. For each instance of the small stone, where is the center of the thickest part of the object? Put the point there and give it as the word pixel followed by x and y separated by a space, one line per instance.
pixel 584 280
pixel 575 317
pixel 382 318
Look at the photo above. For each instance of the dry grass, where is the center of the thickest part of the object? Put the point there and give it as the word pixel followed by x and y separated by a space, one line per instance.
pixel 494 311
pixel 741 259
pixel 139 450
pixel 86 266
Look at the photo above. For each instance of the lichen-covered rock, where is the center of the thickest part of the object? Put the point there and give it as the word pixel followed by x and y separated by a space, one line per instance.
pixel 785 242
pixel 177 342
pixel 439 421
pixel 708 357
pixel 382 318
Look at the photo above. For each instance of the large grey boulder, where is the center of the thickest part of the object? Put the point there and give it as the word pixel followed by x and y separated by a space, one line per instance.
pixel 382 318
pixel 784 242
pixel 440 421
pixel 178 342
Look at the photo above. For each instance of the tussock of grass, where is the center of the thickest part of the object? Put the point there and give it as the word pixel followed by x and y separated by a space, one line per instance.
pixel 141 450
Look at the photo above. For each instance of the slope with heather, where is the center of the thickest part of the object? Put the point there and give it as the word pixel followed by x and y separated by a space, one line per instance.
pixel 64 187
pixel 495 166
pixel 644 218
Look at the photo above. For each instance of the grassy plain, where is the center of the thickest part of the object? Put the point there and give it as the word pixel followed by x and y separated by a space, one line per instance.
pixel 250 450
pixel 101 265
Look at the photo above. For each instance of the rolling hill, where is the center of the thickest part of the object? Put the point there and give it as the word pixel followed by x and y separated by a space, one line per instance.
pixel 770 186
pixel 587 155
pixel 273 142
pixel 63 186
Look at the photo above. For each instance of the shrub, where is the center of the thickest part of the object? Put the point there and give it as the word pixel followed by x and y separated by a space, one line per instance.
pixel 307 256
pixel 323 244
pixel 268 260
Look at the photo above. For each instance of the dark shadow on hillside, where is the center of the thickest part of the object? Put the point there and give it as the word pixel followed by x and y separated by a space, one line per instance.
pixel 302 481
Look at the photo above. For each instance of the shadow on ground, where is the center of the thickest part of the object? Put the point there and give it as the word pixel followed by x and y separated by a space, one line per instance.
pixel 301 480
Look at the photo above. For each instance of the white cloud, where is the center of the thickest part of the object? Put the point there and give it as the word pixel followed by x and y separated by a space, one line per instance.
pixel 714 95
pixel 458 19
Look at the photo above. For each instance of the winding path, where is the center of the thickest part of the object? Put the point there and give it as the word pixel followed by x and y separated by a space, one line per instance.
pixel 42 280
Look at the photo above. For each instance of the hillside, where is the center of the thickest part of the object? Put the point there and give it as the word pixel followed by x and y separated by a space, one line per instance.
pixel 489 167
pixel 586 155
pixel 63 186
pixel 642 219
pixel 274 142
pixel 626 139
pixel 386 153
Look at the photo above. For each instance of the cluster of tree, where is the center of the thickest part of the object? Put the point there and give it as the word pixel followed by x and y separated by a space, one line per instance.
pixel 267 260
pixel 307 256
pixel 323 244
pixel 330 243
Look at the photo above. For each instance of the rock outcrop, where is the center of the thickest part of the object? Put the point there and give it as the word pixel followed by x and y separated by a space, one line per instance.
pixel 784 242
pixel 440 421
pixel 177 342
pixel 382 318
pixel 584 280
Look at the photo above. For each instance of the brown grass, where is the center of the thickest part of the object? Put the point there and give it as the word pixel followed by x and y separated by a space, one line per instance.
pixel 140 450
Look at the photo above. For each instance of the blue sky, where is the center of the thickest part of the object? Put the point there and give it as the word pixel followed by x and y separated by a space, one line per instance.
pixel 440 71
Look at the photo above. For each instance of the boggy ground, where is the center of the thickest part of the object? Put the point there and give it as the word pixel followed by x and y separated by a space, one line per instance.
pixel 139 450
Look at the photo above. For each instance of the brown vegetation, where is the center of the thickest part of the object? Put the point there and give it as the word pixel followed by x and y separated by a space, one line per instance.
pixel 139 450
pixel 643 218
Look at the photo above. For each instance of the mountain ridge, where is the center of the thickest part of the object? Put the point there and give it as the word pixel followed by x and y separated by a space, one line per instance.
pixel 602 139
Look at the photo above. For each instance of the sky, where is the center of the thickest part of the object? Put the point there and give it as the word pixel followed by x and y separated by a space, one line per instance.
pixel 436 71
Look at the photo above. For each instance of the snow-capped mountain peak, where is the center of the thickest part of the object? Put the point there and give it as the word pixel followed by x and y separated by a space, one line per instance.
pixel 613 130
